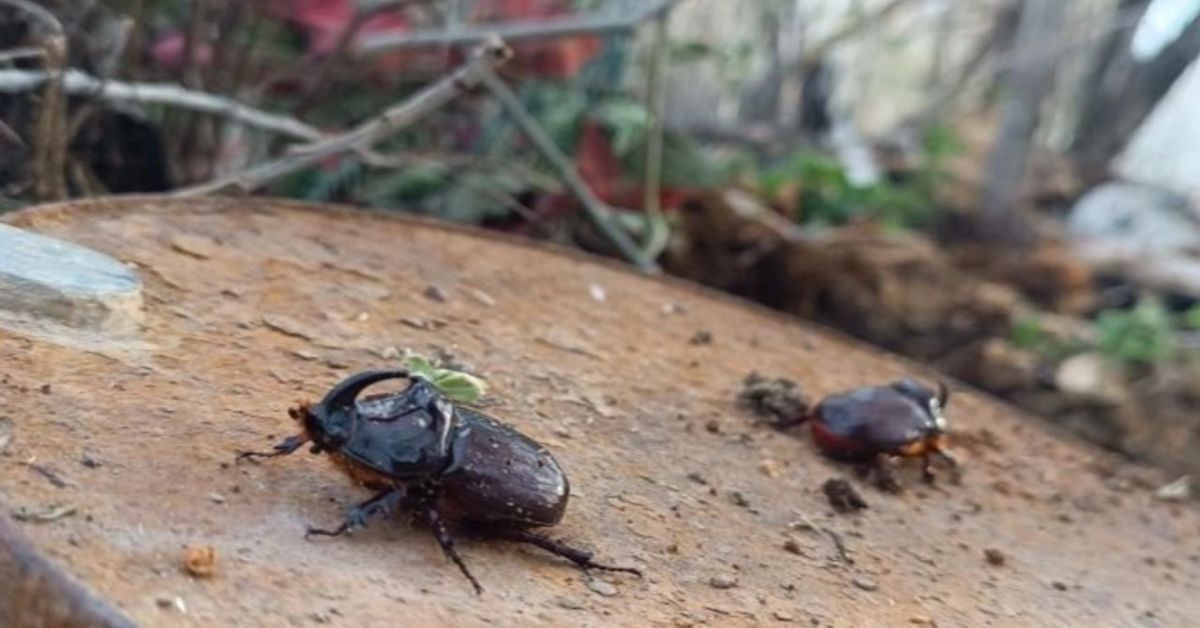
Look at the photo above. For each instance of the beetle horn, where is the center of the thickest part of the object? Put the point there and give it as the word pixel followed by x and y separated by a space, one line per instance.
pixel 943 395
pixel 344 394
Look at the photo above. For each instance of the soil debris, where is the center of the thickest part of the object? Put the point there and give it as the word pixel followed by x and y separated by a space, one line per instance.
pixel 843 496
pixel 6 434
pixel 702 337
pixel 995 557
pixel 778 399
pixel 44 515
pixel 50 474
pixel 200 560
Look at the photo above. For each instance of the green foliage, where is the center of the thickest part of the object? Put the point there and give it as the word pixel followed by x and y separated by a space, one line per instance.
pixel 828 197
pixel 1191 318
pixel 455 385
pixel 1142 336
pixel 1029 334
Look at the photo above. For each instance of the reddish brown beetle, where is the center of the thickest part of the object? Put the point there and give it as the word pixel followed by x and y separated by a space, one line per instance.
pixel 869 425
pixel 419 452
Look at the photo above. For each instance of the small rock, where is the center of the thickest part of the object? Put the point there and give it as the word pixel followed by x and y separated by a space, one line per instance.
pixel 702 338
pixel 723 582
pixel 739 499
pixel 697 478
pixel 216 498
pixel 782 616
pixel 770 468
pixel 319 617
pixel 389 353
pixel 45 389
pixel 570 603
pixel 200 560
pixel 792 546
pixel 776 399
pixel 1177 491
pixel 435 293
pixel 713 426
pixel 673 308
pixel 994 557
pixel 598 293
pixel 601 587
pixel 1059 586
pixel 866 584
pixel 88 461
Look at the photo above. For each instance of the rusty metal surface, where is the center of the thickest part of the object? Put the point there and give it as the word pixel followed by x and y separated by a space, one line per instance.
pixel 254 304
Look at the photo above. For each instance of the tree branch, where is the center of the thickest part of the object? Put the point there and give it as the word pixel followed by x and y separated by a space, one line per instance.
pixel 79 83
pixel 515 30
pixel 600 213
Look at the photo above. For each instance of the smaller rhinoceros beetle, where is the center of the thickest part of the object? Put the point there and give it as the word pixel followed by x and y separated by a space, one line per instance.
pixel 870 425
pixel 419 452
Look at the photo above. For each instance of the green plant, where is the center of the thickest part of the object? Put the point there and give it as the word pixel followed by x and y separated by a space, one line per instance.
pixel 455 385
pixel 1029 334
pixel 828 197
pixel 1142 336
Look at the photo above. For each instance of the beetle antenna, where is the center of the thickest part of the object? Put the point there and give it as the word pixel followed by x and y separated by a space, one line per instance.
pixel 943 396
pixel 344 394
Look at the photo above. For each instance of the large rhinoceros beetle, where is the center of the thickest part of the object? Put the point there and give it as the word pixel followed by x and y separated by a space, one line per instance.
pixel 419 452
pixel 870 425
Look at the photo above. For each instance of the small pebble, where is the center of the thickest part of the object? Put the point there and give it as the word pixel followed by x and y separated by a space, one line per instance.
pixel 713 426
pixel 88 462
pixel 601 587
pixel 723 582
pixel 435 293
pixel 319 617
pixel 1059 585
pixel 697 478
pixel 46 389
pixel 866 584
pixel 571 603
pixel 739 499
pixel 216 498
pixel 792 546
pixel 994 557
pixel 782 616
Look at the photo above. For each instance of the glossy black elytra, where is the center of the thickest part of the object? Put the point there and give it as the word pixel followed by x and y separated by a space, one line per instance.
pixel 419 452
pixel 903 418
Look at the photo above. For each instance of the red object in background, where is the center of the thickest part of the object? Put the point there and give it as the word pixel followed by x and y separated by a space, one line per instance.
pixel 167 52
pixel 603 172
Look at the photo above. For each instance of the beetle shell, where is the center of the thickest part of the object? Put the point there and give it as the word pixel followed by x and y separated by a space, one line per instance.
pixel 859 424
pixel 501 475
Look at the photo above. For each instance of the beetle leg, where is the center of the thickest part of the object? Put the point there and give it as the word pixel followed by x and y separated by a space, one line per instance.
pixel 438 525
pixel 881 468
pixel 357 517
pixel 283 448
pixel 582 558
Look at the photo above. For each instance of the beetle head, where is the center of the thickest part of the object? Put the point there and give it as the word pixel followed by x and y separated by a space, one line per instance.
pixel 932 403
pixel 329 422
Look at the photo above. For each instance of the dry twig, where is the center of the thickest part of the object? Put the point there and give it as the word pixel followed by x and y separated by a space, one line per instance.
pixel 370 132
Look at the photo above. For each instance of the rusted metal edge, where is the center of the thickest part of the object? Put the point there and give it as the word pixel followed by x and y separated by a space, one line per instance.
pixel 35 593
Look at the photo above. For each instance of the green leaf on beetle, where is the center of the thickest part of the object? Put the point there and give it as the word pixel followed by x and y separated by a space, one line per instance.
pixel 455 385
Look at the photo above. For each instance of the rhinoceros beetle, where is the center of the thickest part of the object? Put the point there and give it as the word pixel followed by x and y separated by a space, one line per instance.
pixel 870 425
pixel 447 463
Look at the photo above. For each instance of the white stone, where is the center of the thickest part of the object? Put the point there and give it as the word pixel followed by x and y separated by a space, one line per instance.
pixel 48 279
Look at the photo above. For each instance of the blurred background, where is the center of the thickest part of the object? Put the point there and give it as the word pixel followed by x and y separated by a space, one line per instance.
pixel 1008 190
